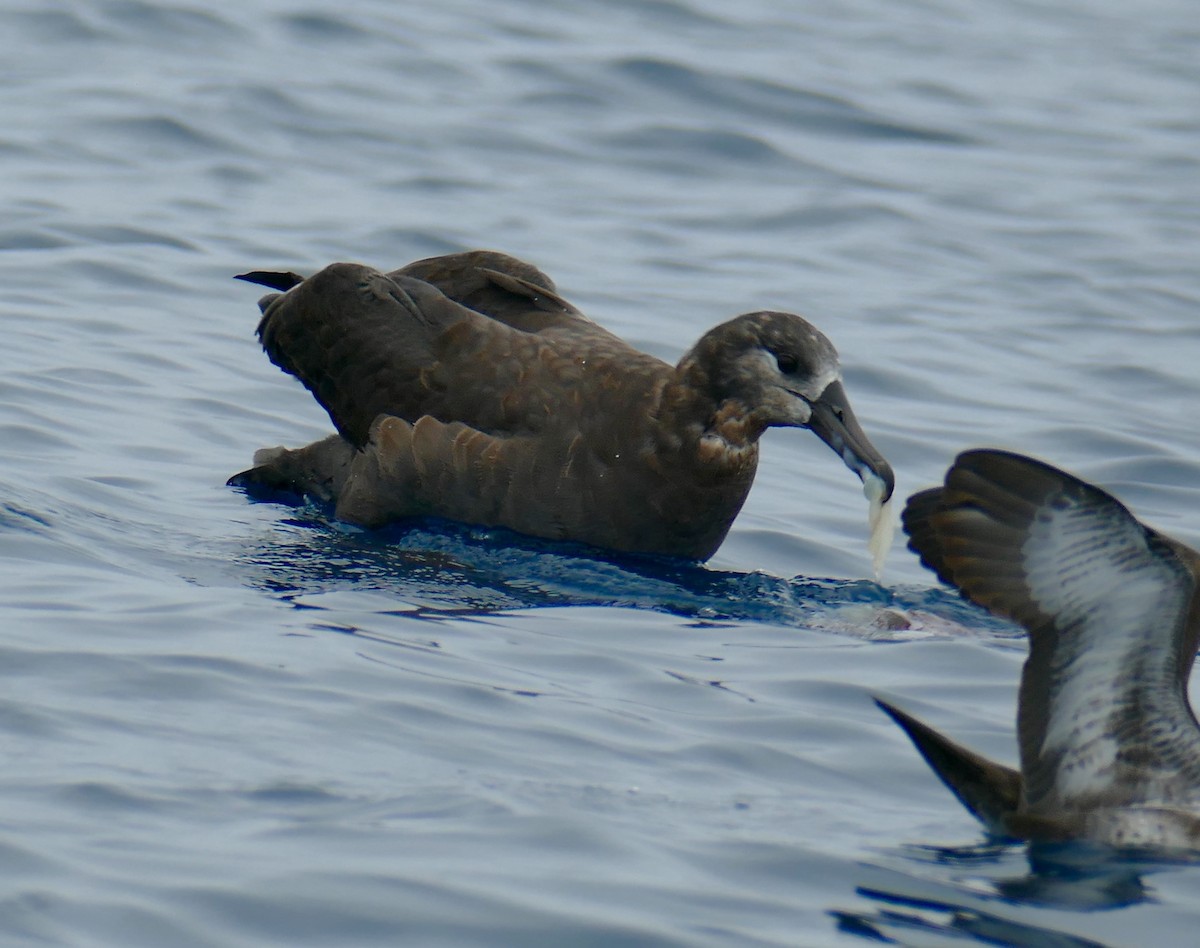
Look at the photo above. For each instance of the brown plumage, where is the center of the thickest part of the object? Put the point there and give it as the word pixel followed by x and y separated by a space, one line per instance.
pixel 1109 747
pixel 465 387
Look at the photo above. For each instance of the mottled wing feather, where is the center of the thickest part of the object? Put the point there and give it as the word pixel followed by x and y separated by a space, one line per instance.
pixel 1109 607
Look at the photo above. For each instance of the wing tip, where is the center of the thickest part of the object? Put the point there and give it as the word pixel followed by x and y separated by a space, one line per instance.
pixel 972 530
pixel 282 280
pixel 990 791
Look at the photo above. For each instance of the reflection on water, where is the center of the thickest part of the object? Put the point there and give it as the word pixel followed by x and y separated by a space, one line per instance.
pixel 434 567
pixel 984 888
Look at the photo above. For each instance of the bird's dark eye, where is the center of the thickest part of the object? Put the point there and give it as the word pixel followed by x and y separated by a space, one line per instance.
pixel 787 363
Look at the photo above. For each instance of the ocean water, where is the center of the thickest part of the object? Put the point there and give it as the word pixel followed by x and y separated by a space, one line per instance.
pixel 233 723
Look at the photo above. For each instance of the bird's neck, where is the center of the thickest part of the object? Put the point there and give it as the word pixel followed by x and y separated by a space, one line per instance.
pixel 714 430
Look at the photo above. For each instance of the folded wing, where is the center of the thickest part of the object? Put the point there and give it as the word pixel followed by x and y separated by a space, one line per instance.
pixel 367 344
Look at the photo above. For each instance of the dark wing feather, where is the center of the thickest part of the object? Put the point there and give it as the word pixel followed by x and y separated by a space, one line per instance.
pixel 367 344
pixel 275 279
pixel 356 339
pixel 501 287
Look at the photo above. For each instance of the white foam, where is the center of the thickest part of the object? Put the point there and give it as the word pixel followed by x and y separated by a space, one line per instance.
pixel 880 520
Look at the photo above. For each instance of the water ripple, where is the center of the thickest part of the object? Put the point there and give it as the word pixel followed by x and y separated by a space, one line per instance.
pixel 236 723
pixel 771 103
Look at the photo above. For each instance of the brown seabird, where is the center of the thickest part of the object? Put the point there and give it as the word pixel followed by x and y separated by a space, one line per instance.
pixel 465 387
pixel 1109 746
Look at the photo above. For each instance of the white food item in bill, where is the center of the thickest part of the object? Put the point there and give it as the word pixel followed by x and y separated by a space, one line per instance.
pixel 880 520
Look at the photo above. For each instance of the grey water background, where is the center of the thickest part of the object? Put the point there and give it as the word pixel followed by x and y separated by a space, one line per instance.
pixel 234 723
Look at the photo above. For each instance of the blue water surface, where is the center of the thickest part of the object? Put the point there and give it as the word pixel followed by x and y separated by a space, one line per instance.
pixel 229 723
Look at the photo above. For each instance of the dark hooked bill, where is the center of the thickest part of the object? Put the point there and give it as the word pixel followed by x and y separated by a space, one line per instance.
pixel 834 423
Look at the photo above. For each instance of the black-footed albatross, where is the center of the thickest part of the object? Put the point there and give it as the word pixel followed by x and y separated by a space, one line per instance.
pixel 1109 747
pixel 465 387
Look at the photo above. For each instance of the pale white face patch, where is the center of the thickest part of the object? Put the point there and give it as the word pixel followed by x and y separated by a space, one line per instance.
pixel 821 381
pixel 800 408
pixel 811 387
